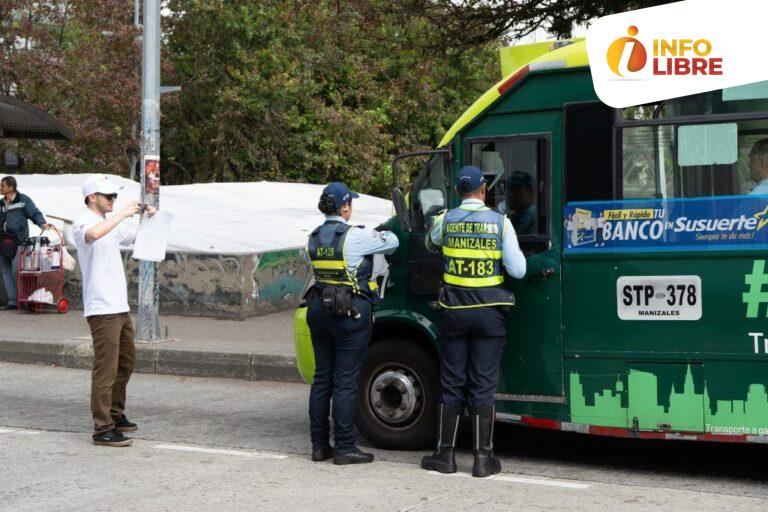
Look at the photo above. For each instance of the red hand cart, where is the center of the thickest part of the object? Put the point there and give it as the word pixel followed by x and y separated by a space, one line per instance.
pixel 38 287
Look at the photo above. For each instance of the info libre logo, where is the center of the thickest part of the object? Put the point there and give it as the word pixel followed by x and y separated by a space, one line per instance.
pixel 671 57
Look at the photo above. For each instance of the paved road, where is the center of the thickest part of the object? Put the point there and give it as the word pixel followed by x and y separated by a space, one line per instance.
pixel 209 444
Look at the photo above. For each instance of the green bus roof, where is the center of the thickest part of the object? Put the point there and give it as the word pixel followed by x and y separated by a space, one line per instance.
pixel 553 54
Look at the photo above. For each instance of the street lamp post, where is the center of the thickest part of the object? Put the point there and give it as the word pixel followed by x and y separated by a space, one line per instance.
pixel 148 321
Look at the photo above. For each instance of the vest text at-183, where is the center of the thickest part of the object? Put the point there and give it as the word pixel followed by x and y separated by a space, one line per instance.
pixel 472 260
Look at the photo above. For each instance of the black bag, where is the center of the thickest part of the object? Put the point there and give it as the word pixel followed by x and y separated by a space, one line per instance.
pixel 338 301
pixel 9 243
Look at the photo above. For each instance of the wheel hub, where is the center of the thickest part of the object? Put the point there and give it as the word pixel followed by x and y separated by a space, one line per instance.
pixel 394 396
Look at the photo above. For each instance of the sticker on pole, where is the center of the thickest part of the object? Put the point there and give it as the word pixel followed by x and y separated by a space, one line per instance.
pixel 658 297
pixel 151 174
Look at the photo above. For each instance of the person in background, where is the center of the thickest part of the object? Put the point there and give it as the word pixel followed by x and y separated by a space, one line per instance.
pixel 105 301
pixel 758 167
pixel 340 318
pixel 15 210
pixel 522 204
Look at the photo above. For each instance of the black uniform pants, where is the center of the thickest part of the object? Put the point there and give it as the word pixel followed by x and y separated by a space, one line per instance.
pixel 471 342
pixel 339 344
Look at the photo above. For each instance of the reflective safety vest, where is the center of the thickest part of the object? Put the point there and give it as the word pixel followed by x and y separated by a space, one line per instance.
pixel 328 257
pixel 472 262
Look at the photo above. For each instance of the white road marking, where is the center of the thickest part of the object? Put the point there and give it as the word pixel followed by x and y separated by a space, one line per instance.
pixel 20 432
pixel 523 480
pixel 219 451
pixel 537 481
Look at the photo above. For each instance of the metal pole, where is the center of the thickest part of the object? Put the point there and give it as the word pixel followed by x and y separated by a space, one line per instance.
pixel 148 322
pixel 137 25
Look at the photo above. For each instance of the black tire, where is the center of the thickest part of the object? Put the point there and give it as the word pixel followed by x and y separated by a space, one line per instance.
pixel 416 362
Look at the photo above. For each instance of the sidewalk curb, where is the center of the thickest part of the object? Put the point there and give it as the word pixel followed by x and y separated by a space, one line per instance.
pixel 154 359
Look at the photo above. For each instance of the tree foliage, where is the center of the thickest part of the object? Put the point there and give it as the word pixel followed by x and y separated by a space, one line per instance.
pixel 76 60
pixel 461 24
pixel 307 91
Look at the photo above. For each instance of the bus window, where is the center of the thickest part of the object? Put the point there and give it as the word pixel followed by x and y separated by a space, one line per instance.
pixel 707 144
pixel 691 160
pixel 514 177
pixel 646 160
pixel 429 193
pixel 488 157
pixel 743 99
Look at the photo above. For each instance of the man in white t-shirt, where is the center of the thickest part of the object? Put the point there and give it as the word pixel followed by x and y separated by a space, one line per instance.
pixel 105 300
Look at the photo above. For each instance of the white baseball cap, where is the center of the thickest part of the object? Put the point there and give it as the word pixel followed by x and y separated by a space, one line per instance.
pixel 101 184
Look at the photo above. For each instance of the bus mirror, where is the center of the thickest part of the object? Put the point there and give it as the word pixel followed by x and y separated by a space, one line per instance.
pixel 398 200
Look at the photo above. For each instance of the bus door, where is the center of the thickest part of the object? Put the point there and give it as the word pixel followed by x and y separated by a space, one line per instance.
pixel 518 173
pixel 428 197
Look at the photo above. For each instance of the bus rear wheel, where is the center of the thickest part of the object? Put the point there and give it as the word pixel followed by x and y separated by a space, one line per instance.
pixel 398 395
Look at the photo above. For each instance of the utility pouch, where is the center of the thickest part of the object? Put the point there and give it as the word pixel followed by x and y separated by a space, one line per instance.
pixel 9 243
pixel 337 301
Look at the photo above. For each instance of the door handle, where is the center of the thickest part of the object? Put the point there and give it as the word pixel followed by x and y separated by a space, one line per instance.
pixel 548 272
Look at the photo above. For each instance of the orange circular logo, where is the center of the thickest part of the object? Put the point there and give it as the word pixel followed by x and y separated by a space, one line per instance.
pixel 638 56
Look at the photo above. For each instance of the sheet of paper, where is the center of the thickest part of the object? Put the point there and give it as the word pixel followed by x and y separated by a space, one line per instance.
pixel 152 237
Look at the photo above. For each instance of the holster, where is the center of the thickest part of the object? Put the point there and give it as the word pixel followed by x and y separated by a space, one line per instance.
pixel 337 300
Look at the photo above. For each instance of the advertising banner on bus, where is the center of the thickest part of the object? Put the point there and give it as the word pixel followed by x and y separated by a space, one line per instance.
pixel 690 224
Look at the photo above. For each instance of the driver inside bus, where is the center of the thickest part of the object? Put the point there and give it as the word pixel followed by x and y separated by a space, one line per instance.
pixel 522 207
pixel 758 167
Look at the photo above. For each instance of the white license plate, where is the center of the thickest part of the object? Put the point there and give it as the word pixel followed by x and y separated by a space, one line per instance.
pixel 658 297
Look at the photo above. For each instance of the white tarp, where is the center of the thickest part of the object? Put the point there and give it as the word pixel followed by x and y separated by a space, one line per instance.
pixel 212 217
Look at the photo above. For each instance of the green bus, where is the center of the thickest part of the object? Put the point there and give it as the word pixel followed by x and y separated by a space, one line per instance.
pixel 643 312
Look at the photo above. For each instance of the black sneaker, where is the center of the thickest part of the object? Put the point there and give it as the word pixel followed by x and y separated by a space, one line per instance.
pixel 124 425
pixel 112 438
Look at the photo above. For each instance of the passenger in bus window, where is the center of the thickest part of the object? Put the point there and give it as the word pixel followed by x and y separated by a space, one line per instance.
pixel 758 167
pixel 522 205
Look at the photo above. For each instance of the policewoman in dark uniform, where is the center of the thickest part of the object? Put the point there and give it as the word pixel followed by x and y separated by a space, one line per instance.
pixel 340 320
pixel 476 243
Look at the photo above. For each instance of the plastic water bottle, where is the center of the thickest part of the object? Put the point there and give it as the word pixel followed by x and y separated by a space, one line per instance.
pixel 45 254
pixel 36 254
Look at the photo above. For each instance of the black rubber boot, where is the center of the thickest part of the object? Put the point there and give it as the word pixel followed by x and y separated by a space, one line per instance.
pixel 444 458
pixel 482 441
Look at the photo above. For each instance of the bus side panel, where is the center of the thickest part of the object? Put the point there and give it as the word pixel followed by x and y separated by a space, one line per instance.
pixel 591 302
pixel 674 367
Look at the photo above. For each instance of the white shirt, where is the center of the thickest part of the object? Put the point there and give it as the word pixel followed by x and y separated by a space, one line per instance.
pixel 761 188
pixel 104 287
pixel 361 242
